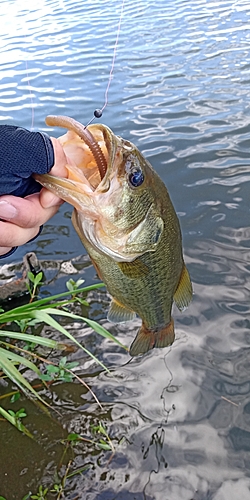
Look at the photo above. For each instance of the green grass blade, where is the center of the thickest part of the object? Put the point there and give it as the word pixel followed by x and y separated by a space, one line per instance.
pixel 46 318
pixel 103 332
pixel 95 326
pixel 6 316
pixel 7 416
pixel 17 378
pixel 51 344
pixel 16 358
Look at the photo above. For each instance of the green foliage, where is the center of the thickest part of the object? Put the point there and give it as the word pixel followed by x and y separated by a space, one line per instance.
pixel 15 421
pixel 58 487
pixel 15 397
pixel 104 442
pixel 41 311
pixel 61 372
pixel 18 415
pixel 41 494
pixel 102 439
pixel 36 280
pixel 73 286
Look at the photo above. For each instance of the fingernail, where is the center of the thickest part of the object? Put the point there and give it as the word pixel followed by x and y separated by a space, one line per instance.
pixel 7 211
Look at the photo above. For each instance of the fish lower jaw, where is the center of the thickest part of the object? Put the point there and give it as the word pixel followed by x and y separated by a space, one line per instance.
pixel 112 253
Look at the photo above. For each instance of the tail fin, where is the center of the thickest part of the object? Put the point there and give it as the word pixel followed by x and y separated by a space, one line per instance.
pixel 148 339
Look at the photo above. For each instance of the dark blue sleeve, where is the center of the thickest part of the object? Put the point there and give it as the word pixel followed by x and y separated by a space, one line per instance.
pixel 23 153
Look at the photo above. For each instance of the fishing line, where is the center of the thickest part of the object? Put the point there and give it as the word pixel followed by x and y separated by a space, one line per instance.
pixel 32 103
pixel 29 87
pixel 98 112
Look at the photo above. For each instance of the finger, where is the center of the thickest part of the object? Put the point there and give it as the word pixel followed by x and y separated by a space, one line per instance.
pixel 48 199
pixel 25 212
pixel 14 236
pixel 4 250
pixel 59 168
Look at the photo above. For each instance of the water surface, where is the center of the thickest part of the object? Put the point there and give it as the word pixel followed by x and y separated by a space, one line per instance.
pixel 180 91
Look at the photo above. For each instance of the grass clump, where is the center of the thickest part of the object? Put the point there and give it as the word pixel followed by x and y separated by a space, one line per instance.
pixel 13 359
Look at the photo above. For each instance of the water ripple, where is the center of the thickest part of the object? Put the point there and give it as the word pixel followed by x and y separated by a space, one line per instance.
pixel 180 91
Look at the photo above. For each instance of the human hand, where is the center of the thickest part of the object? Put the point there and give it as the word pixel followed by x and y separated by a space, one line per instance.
pixel 21 218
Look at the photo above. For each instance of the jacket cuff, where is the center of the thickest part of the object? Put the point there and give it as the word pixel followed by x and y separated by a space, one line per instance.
pixel 49 150
pixel 13 249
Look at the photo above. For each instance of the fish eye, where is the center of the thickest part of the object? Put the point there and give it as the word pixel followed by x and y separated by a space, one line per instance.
pixel 136 178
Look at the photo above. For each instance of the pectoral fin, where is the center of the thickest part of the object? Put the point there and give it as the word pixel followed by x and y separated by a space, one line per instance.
pixel 184 291
pixel 147 339
pixel 134 269
pixel 119 313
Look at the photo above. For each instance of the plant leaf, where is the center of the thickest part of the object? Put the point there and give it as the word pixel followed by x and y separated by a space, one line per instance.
pixel 93 324
pixel 14 313
pixel 44 316
pixel 104 446
pixel 103 332
pixel 52 344
pixel 12 356
pixel 13 422
pixel 11 371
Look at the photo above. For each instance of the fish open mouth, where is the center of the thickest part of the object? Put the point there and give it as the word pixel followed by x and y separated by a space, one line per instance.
pixel 92 166
pixel 94 186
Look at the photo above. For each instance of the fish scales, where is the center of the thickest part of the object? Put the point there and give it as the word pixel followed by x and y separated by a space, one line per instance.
pixel 129 227
pixel 154 289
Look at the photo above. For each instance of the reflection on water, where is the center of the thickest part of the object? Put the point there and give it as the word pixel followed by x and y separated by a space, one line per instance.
pixel 181 92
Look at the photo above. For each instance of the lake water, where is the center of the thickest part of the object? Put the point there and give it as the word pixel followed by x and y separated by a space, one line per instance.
pixel 181 92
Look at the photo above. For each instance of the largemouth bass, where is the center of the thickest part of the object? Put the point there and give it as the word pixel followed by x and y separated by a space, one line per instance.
pixel 127 223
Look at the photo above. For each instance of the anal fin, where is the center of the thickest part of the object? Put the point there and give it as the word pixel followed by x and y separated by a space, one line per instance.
pixel 119 313
pixel 184 291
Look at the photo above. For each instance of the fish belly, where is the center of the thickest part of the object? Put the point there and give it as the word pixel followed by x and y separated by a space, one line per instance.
pixel 150 295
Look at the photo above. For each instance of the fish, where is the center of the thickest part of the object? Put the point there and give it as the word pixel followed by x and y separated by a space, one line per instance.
pixel 126 221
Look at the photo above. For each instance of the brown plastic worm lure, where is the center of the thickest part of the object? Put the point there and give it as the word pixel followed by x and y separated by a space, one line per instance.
pixel 84 134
